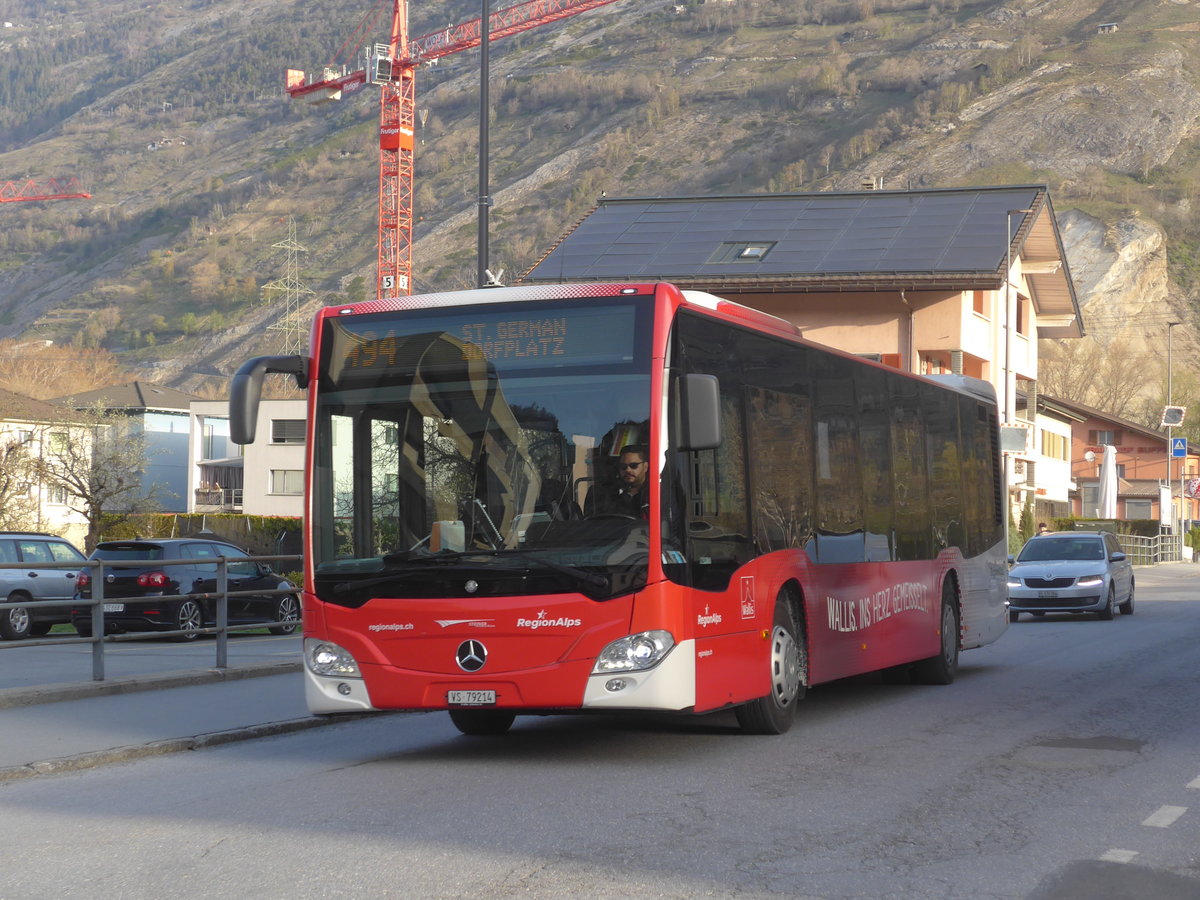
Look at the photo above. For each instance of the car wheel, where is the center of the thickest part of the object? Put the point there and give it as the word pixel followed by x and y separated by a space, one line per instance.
pixel 788 661
pixel 189 618
pixel 942 668
pixel 15 623
pixel 1127 607
pixel 1013 615
pixel 287 609
pixel 482 721
pixel 83 629
pixel 39 629
pixel 1109 611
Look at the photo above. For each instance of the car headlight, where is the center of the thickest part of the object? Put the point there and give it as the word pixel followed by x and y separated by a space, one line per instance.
pixel 324 658
pixel 1090 580
pixel 1014 582
pixel 634 652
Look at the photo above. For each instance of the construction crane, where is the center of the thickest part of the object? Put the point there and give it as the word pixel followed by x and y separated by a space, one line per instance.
pixel 393 66
pixel 51 189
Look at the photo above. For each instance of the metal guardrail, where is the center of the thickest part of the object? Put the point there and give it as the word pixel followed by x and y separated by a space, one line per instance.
pixel 1148 551
pixel 98 638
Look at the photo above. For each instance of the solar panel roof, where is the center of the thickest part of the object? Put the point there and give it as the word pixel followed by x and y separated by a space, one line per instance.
pixel 874 233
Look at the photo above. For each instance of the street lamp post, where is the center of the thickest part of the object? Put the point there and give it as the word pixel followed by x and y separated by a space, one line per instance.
pixel 1170 430
pixel 485 200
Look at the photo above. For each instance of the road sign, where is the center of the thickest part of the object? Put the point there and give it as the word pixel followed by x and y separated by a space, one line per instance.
pixel 1178 448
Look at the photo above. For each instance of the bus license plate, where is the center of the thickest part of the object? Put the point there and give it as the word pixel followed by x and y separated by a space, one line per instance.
pixel 114 607
pixel 1047 595
pixel 471 698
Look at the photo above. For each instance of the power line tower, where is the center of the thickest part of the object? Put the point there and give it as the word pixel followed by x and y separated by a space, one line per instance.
pixel 295 295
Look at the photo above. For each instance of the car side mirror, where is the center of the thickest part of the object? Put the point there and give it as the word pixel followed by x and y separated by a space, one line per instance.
pixel 1011 559
pixel 1117 557
pixel 264 569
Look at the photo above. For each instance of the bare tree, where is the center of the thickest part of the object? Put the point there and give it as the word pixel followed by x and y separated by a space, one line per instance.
pixel 18 501
pixel 98 459
pixel 1083 371
pixel 43 369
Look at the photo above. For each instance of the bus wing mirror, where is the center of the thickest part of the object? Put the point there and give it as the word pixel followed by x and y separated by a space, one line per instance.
pixel 246 390
pixel 702 413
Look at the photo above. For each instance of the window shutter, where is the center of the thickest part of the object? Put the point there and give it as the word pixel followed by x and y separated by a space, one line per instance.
pixel 287 431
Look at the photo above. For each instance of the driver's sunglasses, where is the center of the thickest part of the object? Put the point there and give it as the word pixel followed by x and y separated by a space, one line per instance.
pixel 632 465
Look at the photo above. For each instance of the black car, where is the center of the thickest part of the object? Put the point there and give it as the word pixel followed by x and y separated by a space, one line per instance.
pixel 142 594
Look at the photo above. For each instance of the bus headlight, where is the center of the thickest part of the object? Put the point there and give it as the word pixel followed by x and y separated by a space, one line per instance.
pixel 324 658
pixel 634 652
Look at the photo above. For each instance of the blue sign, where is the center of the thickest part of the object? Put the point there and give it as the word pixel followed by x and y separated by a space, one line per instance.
pixel 1178 448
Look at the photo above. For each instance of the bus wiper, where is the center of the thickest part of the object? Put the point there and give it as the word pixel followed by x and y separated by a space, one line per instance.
pixel 397 567
pixel 408 564
pixel 588 579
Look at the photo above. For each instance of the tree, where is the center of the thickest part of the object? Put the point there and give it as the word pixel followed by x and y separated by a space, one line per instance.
pixel 18 503
pixel 98 458
pixel 1084 371
pixel 43 369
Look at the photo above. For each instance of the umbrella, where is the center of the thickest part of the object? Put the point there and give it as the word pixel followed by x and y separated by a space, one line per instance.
pixel 1108 484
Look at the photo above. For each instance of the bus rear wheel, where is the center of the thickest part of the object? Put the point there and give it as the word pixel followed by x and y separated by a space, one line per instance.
pixel 942 668
pixel 482 721
pixel 774 713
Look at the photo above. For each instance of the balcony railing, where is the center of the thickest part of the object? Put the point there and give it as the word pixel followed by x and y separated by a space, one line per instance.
pixel 218 499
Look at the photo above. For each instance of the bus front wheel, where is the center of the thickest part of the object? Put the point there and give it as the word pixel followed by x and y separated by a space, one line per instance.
pixel 774 713
pixel 482 721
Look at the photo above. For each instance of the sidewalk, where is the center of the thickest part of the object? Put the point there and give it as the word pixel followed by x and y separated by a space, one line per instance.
pixel 59 728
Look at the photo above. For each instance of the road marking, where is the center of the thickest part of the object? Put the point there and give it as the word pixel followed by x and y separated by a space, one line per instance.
pixel 1195 783
pixel 1119 856
pixel 1165 816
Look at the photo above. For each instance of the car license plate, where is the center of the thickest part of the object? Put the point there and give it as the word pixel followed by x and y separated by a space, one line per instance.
pixel 1047 595
pixel 471 698
pixel 114 607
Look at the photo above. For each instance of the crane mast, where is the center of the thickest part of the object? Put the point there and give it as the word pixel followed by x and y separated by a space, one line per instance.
pixel 393 67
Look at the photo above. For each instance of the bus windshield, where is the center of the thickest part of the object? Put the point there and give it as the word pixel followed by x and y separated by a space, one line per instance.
pixel 455 450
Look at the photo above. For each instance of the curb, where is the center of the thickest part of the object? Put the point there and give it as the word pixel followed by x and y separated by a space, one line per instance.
pixel 55 693
pixel 97 758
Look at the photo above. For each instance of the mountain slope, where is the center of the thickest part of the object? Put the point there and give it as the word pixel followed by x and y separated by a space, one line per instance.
pixel 175 120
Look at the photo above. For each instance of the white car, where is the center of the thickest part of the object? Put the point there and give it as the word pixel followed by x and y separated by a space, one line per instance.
pixel 1071 571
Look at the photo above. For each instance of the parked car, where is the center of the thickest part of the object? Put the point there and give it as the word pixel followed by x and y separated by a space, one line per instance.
pixel 1071 571
pixel 35 550
pixel 141 594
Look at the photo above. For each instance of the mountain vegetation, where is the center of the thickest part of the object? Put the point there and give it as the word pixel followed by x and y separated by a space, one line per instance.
pixel 174 118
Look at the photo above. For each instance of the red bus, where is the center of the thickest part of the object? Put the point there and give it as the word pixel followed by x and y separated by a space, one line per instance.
pixel 808 515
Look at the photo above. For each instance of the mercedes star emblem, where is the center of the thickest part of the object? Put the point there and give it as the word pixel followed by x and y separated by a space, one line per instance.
pixel 471 656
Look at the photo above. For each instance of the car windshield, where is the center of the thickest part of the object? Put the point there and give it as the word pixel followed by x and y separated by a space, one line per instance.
pixel 449 442
pixel 1065 548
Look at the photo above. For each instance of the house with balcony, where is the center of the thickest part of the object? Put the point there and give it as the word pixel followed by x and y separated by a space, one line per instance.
pixel 265 478
pixel 961 280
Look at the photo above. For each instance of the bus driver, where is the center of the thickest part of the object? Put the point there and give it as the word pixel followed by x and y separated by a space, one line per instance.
pixel 631 498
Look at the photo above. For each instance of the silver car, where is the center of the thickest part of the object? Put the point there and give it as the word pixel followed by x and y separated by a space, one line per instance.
pixel 1071 571
pixel 38 578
